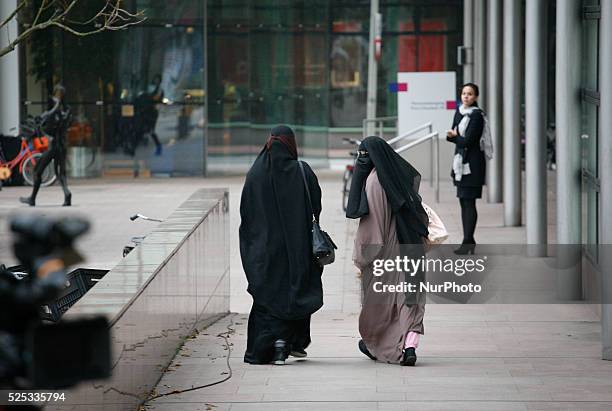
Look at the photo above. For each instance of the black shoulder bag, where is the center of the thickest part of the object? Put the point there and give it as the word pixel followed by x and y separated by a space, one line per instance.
pixel 322 244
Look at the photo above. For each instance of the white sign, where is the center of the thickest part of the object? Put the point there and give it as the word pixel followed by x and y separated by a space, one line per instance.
pixel 424 97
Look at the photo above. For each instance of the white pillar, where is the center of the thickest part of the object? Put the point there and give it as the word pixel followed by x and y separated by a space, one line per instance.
pixel 468 40
pixel 494 93
pixel 9 73
pixel 568 142
pixel 480 49
pixel 568 122
pixel 535 124
pixel 372 68
pixel 512 112
pixel 605 153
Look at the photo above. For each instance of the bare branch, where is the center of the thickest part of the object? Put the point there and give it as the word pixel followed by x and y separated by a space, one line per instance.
pixel 24 35
pixel 111 13
pixel 110 17
pixel 21 5
pixel 40 10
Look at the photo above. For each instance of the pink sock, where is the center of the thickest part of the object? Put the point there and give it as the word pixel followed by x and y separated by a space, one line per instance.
pixel 412 340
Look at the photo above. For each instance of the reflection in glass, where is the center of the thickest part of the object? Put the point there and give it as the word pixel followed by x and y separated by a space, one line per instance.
pixel 140 101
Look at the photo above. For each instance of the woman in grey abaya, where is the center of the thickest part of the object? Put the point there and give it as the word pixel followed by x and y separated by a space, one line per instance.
pixel 384 195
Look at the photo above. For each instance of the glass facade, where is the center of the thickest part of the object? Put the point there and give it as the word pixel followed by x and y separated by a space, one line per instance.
pixel 137 95
pixel 196 87
pixel 590 124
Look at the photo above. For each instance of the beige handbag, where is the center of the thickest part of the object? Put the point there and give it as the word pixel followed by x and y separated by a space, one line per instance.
pixel 437 231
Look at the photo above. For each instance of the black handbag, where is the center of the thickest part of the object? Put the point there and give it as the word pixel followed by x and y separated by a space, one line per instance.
pixel 322 245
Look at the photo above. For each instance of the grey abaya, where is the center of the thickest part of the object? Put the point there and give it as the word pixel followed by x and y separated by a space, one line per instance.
pixel 385 318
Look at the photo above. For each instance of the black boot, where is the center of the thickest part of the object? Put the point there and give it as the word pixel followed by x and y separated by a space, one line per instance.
pixel 28 200
pixel 364 349
pixel 67 200
pixel 409 357
pixel 280 352
pixel 466 247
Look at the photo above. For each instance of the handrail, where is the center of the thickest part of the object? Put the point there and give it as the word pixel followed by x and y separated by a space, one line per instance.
pixel 416 142
pixel 376 121
pixel 411 132
pixel 435 158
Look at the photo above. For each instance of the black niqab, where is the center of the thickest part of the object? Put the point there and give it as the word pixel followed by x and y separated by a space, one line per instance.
pixel 275 240
pixel 400 181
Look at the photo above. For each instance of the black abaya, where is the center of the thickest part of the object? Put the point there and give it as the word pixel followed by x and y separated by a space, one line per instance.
pixel 276 250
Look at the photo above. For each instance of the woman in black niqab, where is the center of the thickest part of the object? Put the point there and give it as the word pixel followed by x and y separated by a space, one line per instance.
pixel 276 250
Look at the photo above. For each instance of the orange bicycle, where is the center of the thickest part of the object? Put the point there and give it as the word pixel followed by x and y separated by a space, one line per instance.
pixel 34 141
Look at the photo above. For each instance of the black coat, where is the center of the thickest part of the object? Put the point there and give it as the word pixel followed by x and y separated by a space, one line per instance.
pixel 472 154
pixel 275 235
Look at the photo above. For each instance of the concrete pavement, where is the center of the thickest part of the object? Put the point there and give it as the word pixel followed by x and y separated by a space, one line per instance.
pixel 472 357
pixel 483 357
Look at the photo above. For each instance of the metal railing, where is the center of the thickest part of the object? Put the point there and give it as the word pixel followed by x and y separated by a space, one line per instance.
pixel 432 137
pixel 379 123
pixel 434 164
pixel 410 133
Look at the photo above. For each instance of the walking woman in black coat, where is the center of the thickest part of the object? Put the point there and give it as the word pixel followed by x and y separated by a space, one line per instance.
pixel 276 251
pixel 469 165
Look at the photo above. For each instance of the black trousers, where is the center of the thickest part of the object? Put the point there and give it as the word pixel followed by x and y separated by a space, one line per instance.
pixel 57 154
pixel 264 329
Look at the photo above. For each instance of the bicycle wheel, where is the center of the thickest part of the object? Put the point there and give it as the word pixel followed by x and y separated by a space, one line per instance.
pixel 48 176
pixel 346 178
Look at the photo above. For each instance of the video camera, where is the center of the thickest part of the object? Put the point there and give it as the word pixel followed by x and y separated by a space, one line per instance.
pixel 34 354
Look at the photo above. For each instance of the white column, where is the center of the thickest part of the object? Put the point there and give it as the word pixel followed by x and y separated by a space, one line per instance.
pixel 468 40
pixel 605 164
pixel 494 94
pixel 535 124
pixel 512 112
pixel 372 68
pixel 568 128
pixel 9 73
pixel 480 49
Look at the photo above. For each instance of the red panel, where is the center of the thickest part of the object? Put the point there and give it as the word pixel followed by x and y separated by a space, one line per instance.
pixel 406 49
pixel 431 50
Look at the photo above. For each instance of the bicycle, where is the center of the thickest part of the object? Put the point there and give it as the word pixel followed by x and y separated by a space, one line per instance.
pixel 34 141
pixel 347 177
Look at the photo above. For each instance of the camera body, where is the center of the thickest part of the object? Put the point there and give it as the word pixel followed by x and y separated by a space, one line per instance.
pixel 34 354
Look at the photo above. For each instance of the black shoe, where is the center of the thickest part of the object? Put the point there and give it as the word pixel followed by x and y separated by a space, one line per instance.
pixel 364 350
pixel 280 352
pixel 409 357
pixel 28 200
pixel 67 200
pixel 298 353
pixel 465 249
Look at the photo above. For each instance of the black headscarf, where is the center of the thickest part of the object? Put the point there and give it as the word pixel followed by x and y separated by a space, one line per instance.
pixel 400 181
pixel 276 222
pixel 285 135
